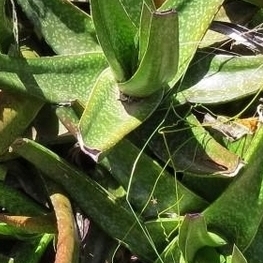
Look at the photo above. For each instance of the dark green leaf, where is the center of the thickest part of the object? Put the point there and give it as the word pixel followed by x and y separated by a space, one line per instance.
pixel 147 181
pixel 5 28
pixel 116 34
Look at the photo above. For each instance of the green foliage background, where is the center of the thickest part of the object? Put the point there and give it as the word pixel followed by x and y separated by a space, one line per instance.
pixel 104 140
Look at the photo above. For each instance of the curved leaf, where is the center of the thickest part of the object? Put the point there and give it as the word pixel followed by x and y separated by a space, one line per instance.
pixel 67 236
pixel 221 78
pixel 67 29
pixel 107 118
pixel 188 147
pixel 237 213
pixel 193 235
pixel 157 59
pixel 54 79
pixel 116 34
pixel 192 28
pixel 91 197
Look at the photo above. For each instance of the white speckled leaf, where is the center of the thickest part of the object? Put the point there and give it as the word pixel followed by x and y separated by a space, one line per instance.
pixel 107 119
pixel 54 79
pixel 134 8
pixel 157 59
pixel 67 29
pixel 192 28
pixel 219 79
pixel 116 33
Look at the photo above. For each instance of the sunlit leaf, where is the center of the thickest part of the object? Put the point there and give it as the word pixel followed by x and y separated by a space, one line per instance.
pixel 67 29
pixel 237 213
pixel 193 235
pixel 157 59
pixel 108 116
pixel 192 28
pixel 116 34
pixel 215 79
pixel 54 79
pixel 17 112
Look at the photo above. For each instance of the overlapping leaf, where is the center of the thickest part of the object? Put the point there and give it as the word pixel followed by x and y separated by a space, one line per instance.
pixel 237 213
pixel 107 118
pixel 215 79
pixel 67 29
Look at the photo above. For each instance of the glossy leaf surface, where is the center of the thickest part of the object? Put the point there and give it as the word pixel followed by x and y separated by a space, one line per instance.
pixel 116 34
pixel 108 117
pixel 193 235
pixel 157 59
pixel 54 79
pixel 220 79
pixel 188 147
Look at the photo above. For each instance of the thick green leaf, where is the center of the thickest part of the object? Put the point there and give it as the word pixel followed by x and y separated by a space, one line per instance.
pixel 188 147
pixel 148 183
pixel 193 235
pixel 157 59
pixel 54 79
pixel 215 79
pixel 94 200
pixel 237 213
pixel 192 28
pixel 116 34
pixel 67 29
pixel 108 117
